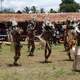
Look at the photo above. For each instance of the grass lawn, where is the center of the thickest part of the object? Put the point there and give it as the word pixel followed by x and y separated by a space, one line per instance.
pixel 33 68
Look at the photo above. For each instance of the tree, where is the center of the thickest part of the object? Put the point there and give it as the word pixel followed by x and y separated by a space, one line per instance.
pixel 1 5
pixel 8 10
pixel 26 9
pixel 69 6
pixel 33 9
pixel 19 12
pixel 42 10
pixel 52 11
pixel 67 1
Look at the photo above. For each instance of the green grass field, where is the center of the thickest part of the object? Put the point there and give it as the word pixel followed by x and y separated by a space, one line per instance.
pixel 33 68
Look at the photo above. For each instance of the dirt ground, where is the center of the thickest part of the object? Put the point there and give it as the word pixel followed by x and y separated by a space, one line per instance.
pixel 33 68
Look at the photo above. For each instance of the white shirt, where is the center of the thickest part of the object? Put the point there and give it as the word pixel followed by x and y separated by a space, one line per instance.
pixel 75 25
pixel 14 23
pixel 77 30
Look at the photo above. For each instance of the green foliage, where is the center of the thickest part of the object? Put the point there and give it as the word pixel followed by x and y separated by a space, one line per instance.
pixel 33 9
pixel 52 11
pixel 26 9
pixel 8 10
pixel 19 12
pixel 69 6
pixel 67 1
pixel 42 10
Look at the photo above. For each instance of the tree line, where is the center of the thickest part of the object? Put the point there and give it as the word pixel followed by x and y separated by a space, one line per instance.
pixel 65 6
pixel 28 10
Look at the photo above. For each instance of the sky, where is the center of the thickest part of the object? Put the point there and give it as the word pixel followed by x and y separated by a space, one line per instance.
pixel 21 4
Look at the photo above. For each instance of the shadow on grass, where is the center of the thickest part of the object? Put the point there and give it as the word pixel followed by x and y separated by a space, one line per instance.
pixel 43 62
pixel 68 60
pixel 12 65
pixel 76 71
